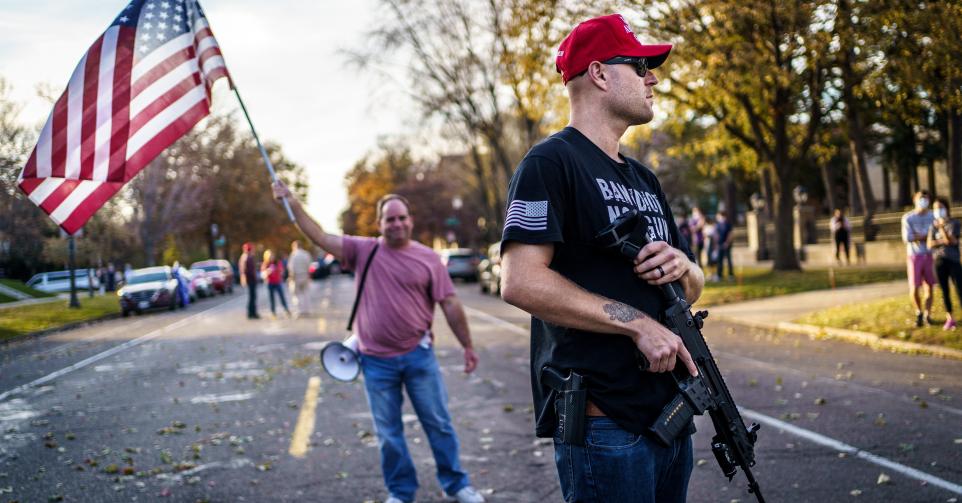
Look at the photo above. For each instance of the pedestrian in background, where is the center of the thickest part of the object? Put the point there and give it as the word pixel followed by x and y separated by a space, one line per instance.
pixel 696 225
pixel 183 291
pixel 841 235
pixel 248 272
pixel 111 278
pixel 915 232
pixel 298 268
pixel 128 272
pixel 272 270
pixel 724 236
pixel 943 240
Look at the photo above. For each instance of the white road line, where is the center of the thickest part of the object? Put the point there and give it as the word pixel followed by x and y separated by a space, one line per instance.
pixel 837 445
pixel 846 384
pixel 229 397
pixel 809 435
pixel 110 352
pixel 507 325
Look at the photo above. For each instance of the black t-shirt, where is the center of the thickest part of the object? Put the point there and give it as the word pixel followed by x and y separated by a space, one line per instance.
pixel 564 192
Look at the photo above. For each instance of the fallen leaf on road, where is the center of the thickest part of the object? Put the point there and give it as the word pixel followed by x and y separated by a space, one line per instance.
pixel 820 401
pixel 883 479
pixel 700 462
pixel 855 492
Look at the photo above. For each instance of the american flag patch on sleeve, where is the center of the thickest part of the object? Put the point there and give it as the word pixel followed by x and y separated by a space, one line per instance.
pixel 528 215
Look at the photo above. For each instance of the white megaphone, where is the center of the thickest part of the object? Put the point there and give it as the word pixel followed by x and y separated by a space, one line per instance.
pixel 340 359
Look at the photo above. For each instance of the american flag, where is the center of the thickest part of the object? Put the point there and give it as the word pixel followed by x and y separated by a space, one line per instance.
pixel 528 215
pixel 142 84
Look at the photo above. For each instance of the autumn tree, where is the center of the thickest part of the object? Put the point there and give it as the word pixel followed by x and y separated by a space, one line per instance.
pixel 23 228
pixel 486 70
pixel 755 69
pixel 212 175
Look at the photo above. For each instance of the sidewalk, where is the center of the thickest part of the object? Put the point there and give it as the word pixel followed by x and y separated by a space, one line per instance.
pixel 777 313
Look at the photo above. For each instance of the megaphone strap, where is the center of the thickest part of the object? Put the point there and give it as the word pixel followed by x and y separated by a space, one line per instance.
pixel 360 286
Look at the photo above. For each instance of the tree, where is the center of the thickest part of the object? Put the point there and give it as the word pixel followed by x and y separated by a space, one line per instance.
pixel 212 175
pixel 852 65
pixel 373 176
pixel 486 70
pixel 23 228
pixel 758 70
pixel 443 195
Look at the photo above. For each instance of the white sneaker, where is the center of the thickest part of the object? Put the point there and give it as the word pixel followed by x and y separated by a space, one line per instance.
pixel 468 494
pixel 393 499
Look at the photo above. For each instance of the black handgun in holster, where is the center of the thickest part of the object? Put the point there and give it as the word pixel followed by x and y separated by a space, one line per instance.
pixel 571 398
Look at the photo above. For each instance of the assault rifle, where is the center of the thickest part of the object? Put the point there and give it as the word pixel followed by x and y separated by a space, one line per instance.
pixel 733 443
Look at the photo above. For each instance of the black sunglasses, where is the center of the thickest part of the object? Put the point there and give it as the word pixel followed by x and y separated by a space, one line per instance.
pixel 640 64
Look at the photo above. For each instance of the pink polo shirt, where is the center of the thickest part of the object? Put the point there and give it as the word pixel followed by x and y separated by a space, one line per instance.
pixel 400 292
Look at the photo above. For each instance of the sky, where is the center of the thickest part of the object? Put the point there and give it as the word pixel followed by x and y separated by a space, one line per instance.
pixel 284 56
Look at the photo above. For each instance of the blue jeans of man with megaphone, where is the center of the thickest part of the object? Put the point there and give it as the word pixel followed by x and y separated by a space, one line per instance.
pixel 419 373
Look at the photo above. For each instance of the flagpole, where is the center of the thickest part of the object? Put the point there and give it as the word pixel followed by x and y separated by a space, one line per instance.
pixel 267 161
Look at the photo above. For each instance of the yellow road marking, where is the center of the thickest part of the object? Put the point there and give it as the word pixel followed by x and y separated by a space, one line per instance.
pixel 305 420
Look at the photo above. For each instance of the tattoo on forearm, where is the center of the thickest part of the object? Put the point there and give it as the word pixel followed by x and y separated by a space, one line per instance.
pixel 622 312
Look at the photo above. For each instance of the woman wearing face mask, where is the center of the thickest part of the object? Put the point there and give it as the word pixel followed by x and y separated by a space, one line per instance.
pixel 915 231
pixel 943 240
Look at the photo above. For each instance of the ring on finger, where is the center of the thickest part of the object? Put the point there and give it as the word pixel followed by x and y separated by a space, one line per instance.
pixel 660 270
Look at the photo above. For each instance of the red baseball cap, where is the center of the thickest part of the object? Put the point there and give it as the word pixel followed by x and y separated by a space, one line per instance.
pixel 600 39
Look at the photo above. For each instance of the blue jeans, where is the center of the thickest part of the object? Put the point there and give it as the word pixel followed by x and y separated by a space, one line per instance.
pixel 619 466
pixel 724 254
pixel 419 373
pixel 279 290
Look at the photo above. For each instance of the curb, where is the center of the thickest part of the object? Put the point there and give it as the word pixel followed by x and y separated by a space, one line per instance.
pixel 58 328
pixel 853 336
pixel 28 302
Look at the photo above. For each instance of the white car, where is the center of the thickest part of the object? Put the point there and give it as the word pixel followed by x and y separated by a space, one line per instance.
pixel 59 281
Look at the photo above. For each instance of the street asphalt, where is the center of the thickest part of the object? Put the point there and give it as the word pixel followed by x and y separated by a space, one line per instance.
pixel 205 405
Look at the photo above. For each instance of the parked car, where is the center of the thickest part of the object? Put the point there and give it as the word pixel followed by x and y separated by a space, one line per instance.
pixel 149 288
pixel 220 273
pixel 59 281
pixel 461 263
pixel 200 283
pixel 324 267
pixel 489 270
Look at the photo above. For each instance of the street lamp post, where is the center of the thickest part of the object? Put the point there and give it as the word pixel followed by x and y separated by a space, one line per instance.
pixel 72 248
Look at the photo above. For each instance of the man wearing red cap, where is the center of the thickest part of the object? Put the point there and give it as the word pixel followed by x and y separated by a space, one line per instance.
pixel 592 313
pixel 248 277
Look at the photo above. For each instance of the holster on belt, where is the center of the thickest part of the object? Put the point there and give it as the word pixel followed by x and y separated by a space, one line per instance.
pixel 570 400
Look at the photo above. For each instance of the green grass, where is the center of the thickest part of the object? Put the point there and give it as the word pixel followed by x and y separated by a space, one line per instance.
pixel 20 287
pixel 758 282
pixel 16 321
pixel 892 318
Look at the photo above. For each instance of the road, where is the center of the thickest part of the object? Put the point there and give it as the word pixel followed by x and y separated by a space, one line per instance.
pixel 204 405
